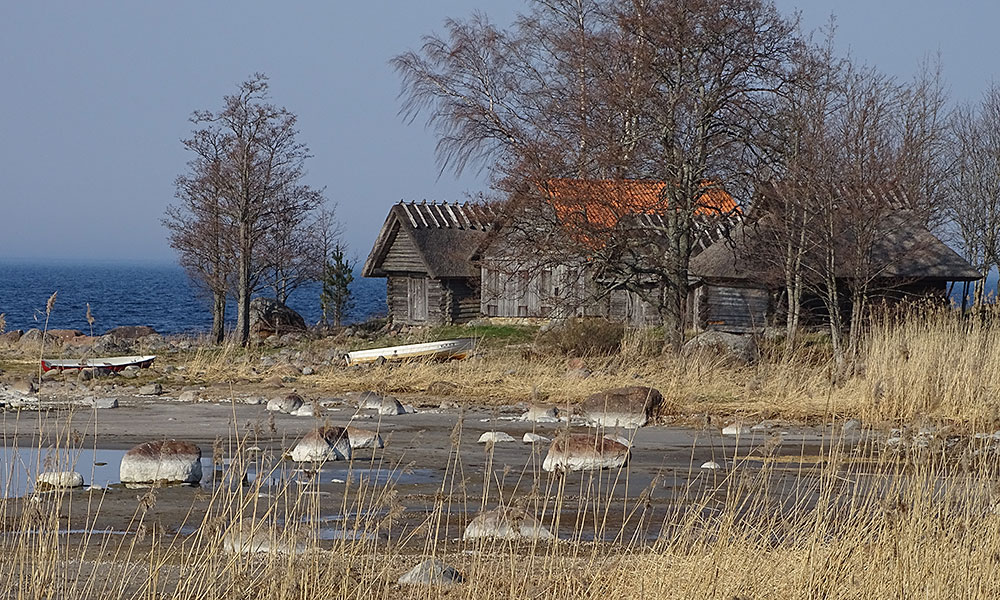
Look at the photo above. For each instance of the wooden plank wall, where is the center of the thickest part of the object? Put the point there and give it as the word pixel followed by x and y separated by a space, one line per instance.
pixel 402 255
pixel 733 309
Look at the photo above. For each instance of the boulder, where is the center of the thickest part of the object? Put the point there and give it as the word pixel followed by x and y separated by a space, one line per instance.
pixel 131 372
pixel 627 407
pixel 506 524
pixel 287 404
pixel 103 403
pixel 431 572
pixel 584 452
pixel 24 386
pixel 541 414
pixel 323 444
pixel 59 480
pixel 495 437
pixel 534 438
pixel 245 538
pixel 151 389
pixel 189 396
pixel 169 461
pixel 363 438
pixel 270 317
pixel 10 338
pixel 63 334
pixel 306 410
pixel 739 348
pixel 385 405
pixel 130 332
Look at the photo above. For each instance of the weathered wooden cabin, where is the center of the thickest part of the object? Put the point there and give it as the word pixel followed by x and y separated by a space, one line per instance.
pixel 424 250
pixel 527 273
pixel 736 290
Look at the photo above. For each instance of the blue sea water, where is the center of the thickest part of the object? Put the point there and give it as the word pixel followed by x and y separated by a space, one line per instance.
pixel 158 295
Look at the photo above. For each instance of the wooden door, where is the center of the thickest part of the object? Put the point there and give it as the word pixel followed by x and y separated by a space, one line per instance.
pixel 416 295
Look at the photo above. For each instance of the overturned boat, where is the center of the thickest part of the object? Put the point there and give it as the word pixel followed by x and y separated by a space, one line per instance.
pixel 111 364
pixel 446 349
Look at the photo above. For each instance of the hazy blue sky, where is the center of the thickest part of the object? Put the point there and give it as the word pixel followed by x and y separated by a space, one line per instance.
pixel 95 96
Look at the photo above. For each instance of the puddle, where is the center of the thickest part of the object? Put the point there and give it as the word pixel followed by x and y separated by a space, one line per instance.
pixel 19 468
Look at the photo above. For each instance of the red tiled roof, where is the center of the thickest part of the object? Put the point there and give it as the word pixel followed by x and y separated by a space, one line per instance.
pixel 601 203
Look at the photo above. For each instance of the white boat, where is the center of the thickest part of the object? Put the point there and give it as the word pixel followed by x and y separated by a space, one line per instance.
pixel 111 363
pixel 446 349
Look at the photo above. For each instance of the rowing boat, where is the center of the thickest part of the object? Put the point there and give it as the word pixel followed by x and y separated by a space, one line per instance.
pixel 446 349
pixel 111 363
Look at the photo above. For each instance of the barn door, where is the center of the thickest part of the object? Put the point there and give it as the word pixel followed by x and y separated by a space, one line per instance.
pixel 416 295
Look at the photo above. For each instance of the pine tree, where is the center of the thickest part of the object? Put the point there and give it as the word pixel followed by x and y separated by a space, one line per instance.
pixel 335 299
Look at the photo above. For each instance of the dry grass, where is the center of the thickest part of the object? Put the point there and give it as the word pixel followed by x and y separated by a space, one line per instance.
pixel 877 525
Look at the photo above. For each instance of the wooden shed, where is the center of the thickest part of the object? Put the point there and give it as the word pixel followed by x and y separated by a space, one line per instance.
pixel 424 250
pixel 736 290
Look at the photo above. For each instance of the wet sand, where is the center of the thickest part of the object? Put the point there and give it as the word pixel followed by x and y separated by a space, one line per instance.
pixel 440 475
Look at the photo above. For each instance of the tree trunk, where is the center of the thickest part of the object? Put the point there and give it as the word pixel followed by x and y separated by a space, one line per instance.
pixel 243 288
pixel 218 317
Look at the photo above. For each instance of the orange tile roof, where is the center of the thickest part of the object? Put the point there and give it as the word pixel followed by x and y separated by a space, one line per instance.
pixel 601 203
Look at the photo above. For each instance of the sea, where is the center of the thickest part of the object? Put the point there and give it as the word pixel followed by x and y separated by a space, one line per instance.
pixel 131 293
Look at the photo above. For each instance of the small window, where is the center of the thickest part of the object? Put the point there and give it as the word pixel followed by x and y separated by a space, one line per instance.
pixel 522 311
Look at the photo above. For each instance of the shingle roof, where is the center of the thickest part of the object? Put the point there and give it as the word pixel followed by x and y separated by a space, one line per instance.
pixel 906 250
pixel 445 234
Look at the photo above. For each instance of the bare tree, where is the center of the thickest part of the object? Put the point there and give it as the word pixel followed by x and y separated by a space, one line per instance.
pixel 199 231
pixel 643 89
pixel 973 198
pixel 243 191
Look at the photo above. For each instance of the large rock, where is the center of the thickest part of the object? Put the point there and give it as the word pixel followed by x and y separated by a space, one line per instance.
pixel 431 572
pixel 130 332
pixel 270 317
pixel 287 404
pixel 323 444
pixel 585 452
pixel 363 438
pixel 385 405
pixel 59 480
pixel 246 538
pixel 506 524
pixel 627 407
pixel 10 338
pixel 541 414
pixel 739 348
pixel 169 461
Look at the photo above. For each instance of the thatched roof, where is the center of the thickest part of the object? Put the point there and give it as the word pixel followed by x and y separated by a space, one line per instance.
pixel 443 235
pixel 906 250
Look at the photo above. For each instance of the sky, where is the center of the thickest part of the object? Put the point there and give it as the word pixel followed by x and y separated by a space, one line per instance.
pixel 95 99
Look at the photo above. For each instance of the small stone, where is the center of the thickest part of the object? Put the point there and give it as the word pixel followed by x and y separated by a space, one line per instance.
pixel 851 425
pixel 85 375
pixel 306 410
pixel 189 396
pixel 495 437
pixel 151 389
pixel 254 400
pixel 308 370
pixel 534 438
pixel 431 572
pixel 736 429
pixel 130 371
pixel 711 465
